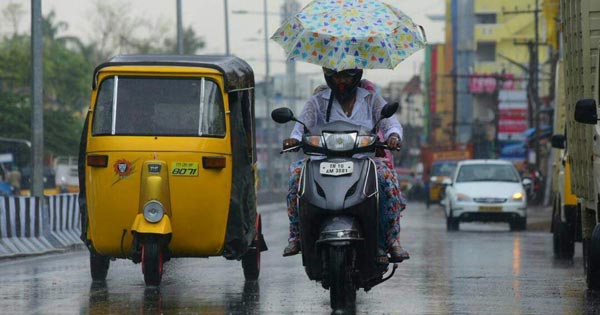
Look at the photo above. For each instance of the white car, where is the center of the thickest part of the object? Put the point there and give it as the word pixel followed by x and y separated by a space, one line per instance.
pixel 485 191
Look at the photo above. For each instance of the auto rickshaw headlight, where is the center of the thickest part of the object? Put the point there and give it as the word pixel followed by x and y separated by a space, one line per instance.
pixel 153 211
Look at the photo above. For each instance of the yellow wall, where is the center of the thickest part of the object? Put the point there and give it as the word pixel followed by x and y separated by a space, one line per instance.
pixel 508 29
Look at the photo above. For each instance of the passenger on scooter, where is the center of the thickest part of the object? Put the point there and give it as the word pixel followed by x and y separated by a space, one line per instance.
pixel 360 106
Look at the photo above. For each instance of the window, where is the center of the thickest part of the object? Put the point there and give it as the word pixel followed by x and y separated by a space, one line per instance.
pixel 485 18
pixel 486 51
pixel 487 172
pixel 159 106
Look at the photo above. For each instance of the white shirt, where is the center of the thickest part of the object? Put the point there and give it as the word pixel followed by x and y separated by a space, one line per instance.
pixel 366 112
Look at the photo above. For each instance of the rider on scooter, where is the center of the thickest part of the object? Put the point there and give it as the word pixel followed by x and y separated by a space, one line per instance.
pixel 345 100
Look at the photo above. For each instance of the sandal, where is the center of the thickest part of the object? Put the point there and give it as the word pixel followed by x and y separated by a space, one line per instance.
pixel 398 254
pixel 292 249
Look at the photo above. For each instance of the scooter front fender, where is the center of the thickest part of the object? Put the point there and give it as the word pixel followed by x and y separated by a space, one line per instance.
pixel 141 226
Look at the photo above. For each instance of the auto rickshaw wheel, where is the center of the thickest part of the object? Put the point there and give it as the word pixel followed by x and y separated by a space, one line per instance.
pixel 251 259
pixel 152 262
pixel 99 266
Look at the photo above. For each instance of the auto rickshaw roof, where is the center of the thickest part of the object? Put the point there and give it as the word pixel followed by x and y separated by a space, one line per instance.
pixel 237 73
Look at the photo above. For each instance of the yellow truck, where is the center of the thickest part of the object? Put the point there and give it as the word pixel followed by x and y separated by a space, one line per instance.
pixel 565 229
pixel 581 43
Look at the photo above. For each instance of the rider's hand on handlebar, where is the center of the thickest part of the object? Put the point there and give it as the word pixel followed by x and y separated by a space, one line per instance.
pixel 393 142
pixel 290 142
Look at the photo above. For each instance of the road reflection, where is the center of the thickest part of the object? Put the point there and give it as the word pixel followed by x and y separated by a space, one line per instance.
pixel 158 300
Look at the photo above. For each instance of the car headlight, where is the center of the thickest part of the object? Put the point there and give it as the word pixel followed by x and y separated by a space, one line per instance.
pixel 462 197
pixel 518 196
pixel 153 211
pixel 340 141
pixel 364 141
pixel 315 141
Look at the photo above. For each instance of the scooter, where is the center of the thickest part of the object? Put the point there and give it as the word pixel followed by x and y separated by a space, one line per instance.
pixel 338 200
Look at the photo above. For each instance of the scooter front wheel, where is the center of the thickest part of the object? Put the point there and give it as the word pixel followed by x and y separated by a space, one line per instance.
pixel 340 269
pixel 152 262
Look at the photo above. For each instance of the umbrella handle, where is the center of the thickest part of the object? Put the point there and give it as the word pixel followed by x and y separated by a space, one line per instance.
pixel 423 33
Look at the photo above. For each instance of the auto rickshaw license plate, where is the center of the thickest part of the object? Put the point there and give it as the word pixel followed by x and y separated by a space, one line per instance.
pixel 184 169
pixel 490 208
pixel 336 169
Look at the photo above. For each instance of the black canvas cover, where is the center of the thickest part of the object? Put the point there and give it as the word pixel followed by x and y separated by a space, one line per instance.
pixel 241 227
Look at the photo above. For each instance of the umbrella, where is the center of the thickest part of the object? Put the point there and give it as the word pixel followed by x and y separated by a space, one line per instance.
pixel 350 34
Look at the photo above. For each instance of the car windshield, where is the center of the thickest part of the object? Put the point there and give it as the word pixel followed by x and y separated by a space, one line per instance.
pixel 443 168
pixel 159 106
pixel 487 173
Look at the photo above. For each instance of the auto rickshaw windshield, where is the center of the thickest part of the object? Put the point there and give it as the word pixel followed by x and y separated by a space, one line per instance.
pixel 159 106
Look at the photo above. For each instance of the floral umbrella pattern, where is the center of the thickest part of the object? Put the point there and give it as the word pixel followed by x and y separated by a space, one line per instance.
pixel 350 34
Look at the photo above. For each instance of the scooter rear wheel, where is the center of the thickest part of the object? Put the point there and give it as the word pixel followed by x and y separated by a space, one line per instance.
pixel 152 263
pixel 342 290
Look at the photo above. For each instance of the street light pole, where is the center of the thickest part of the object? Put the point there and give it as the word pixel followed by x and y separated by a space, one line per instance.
pixel 267 94
pixel 227 52
pixel 37 117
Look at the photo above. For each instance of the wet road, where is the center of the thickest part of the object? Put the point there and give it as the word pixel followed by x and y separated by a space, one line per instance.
pixel 482 269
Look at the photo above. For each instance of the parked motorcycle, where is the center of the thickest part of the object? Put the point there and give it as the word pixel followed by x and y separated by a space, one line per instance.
pixel 338 200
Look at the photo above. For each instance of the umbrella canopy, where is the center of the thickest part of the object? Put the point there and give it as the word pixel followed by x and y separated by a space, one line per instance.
pixel 350 34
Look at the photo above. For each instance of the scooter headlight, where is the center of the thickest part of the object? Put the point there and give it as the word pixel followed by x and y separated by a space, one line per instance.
pixel 153 211
pixel 340 141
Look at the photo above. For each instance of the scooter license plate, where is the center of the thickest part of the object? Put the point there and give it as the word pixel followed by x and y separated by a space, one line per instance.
pixel 336 169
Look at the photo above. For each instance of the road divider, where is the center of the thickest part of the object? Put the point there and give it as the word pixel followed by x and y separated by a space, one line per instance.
pixel 30 225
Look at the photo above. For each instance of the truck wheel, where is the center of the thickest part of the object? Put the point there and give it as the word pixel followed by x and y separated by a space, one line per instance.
pixel 251 259
pixel 99 266
pixel 593 260
pixel 340 267
pixel 562 239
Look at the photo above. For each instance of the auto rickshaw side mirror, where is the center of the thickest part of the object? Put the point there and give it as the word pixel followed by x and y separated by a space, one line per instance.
pixel 282 115
pixel 558 141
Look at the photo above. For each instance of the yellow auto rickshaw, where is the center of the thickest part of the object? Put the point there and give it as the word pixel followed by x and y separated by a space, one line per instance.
pixel 167 163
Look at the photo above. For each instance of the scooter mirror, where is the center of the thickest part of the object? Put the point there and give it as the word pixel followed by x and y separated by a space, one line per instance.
pixel 282 115
pixel 389 109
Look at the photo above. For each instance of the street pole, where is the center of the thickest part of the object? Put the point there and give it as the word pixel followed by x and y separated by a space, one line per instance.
pixel 267 93
pixel 37 117
pixel 179 29
pixel 536 97
pixel 227 52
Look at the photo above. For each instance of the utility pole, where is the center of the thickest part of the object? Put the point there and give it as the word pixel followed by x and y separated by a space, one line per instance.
pixel 533 48
pixel 37 117
pixel 267 94
pixel 179 29
pixel 227 52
